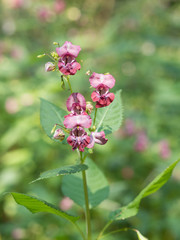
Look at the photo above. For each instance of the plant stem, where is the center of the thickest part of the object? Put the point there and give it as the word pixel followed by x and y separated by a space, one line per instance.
pixel 69 84
pixel 116 231
pixel 95 117
pixel 103 230
pixel 87 211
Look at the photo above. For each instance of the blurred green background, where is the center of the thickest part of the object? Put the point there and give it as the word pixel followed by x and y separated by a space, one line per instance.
pixel 137 41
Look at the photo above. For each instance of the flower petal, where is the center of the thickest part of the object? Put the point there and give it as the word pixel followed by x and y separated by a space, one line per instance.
pixel 68 49
pixel 82 120
pixel 107 79
pixel 95 96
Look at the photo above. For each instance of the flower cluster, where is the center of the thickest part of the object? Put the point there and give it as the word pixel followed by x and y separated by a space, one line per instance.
pixel 79 119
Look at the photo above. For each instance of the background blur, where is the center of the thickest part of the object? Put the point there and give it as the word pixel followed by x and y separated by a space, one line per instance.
pixel 137 41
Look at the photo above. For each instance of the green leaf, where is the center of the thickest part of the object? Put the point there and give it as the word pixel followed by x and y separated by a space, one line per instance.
pixel 132 208
pixel 109 119
pixel 36 205
pixel 50 115
pixel 98 189
pixel 62 171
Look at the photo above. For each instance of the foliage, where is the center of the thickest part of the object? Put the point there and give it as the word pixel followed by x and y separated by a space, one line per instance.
pixel 138 42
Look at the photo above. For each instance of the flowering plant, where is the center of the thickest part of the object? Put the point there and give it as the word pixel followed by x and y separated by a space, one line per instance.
pixel 82 127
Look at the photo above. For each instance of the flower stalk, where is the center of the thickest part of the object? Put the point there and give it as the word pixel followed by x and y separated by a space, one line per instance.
pixel 87 211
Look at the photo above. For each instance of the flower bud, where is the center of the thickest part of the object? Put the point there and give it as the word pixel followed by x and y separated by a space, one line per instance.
pixel 49 66
pixel 59 134
pixel 53 129
pixel 54 55
pixel 88 73
pixel 55 43
pixel 89 107
pixel 42 55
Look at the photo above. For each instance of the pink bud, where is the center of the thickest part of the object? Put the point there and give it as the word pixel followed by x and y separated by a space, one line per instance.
pixel 49 66
pixel 59 134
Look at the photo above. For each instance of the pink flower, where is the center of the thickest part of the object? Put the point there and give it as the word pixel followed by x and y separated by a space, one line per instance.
pixel 78 139
pixel 129 128
pixel 59 6
pixel 97 79
pixel 68 65
pixel 97 137
pixel 49 66
pixel 76 103
pixel 102 96
pixel 66 204
pixel 164 150
pixel 74 120
pixel 141 143
pixel 68 49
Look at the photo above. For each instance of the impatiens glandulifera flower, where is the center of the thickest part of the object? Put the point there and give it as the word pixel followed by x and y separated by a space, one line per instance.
pixel 164 149
pixel 97 137
pixel 59 134
pixel 142 142
pixel 76 103
pixel 78 139
pixel 102 83
pixel 67 63
pixel 49 66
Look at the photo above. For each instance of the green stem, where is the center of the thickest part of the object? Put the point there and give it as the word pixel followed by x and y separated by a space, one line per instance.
pixel 87 211
pixel 95 117
pixel 69 84
pixel 49 56
pixel 116 231
pixel 104 229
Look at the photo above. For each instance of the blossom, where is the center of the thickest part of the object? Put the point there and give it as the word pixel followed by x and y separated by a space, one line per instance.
pixel 67 63
pixel 78 139
pixel 68 49
pixel 97 137
pixel 102 83
pixel 142 142
pixel 97 79
pixel 74 120
pixel 76 103
pixel 49 66
pixel 164 149
pixel 102 96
